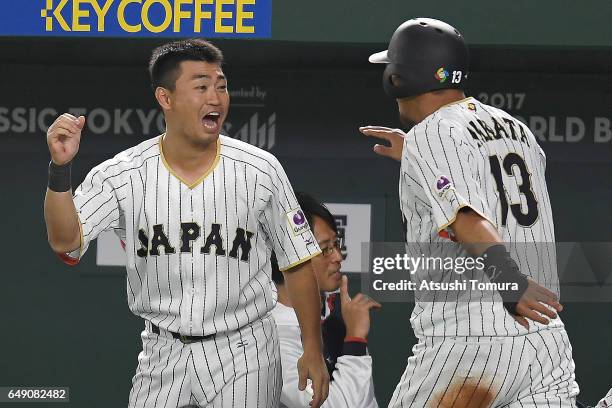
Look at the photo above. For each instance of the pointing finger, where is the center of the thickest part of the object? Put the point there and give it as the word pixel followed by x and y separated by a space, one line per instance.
pixel 344 296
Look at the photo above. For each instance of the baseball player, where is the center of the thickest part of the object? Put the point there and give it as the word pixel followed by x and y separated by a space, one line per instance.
pixel 345 323
pixel 199 214
pixel 472 177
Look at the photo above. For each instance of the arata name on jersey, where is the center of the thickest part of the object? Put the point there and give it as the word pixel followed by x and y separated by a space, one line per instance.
pixel 510 129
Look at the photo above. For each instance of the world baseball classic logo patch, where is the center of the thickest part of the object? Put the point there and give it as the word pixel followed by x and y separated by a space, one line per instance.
pixel 298 222
pixel 443 184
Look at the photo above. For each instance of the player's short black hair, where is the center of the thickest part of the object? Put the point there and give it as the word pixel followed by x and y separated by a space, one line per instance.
pixel 164 65
pixel 311 207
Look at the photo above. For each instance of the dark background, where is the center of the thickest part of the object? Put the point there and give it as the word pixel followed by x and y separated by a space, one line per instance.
pixel 71 327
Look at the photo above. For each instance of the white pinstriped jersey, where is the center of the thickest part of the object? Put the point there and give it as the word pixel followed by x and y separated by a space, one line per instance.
pixel 197 256
pixel 471 154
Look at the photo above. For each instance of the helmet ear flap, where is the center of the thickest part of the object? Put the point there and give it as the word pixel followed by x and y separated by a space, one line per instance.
pixel 393 82
pixel 397 81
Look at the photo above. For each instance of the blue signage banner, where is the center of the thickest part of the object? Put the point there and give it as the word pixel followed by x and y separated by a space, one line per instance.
pixel 137 18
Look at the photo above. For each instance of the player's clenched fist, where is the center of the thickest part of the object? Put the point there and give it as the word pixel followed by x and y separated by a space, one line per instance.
pixel 64 137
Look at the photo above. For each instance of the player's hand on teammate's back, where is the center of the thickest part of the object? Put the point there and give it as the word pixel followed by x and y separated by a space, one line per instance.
pixel 311 365
pixel 64 137
pixel 532 305
pixel 356 311
pixel 394 136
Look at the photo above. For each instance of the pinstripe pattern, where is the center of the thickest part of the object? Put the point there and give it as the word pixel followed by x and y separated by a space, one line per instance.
pixel 173 374
pixel 485 371
pixel 467 343
pixel 441 146
pixel 198 264
pixel 247 189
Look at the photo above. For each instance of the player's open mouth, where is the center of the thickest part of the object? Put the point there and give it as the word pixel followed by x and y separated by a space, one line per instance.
pixel 211 120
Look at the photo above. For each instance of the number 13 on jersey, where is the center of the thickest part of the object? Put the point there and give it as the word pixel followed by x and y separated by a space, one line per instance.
pixel 511 162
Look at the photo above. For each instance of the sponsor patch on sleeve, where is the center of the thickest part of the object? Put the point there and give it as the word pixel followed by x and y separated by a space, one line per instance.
pixel 443 185
pixel 297 221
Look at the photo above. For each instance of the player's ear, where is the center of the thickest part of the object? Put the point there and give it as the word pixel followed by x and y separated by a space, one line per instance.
pixel 164 97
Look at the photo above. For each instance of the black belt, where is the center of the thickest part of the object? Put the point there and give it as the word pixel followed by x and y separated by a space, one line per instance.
pixel 184 339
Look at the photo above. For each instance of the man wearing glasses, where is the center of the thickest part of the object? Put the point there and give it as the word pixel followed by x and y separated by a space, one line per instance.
pixel 345 323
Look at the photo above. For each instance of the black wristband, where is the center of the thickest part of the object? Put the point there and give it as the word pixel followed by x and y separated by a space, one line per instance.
pixel 354 348
pixel 60 177
pixel 503 270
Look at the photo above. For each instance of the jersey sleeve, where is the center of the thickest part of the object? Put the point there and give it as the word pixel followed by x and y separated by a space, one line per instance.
pixel 97 207
pixel 352 384
pixel 284 222
pixel 442 166
pixel 605 401
pixel 542 157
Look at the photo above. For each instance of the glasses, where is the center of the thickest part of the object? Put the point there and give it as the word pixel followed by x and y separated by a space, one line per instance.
pixel 327 251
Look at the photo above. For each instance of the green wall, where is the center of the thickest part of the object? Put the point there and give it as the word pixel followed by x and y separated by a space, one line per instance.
pixel 71 327
pixel 520 22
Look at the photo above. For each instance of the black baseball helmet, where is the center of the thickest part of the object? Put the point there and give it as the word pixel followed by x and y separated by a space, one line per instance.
pixel 424 55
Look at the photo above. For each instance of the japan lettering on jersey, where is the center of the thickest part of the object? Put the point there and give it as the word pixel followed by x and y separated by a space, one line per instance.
pixel 198 256
pixel 471 154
